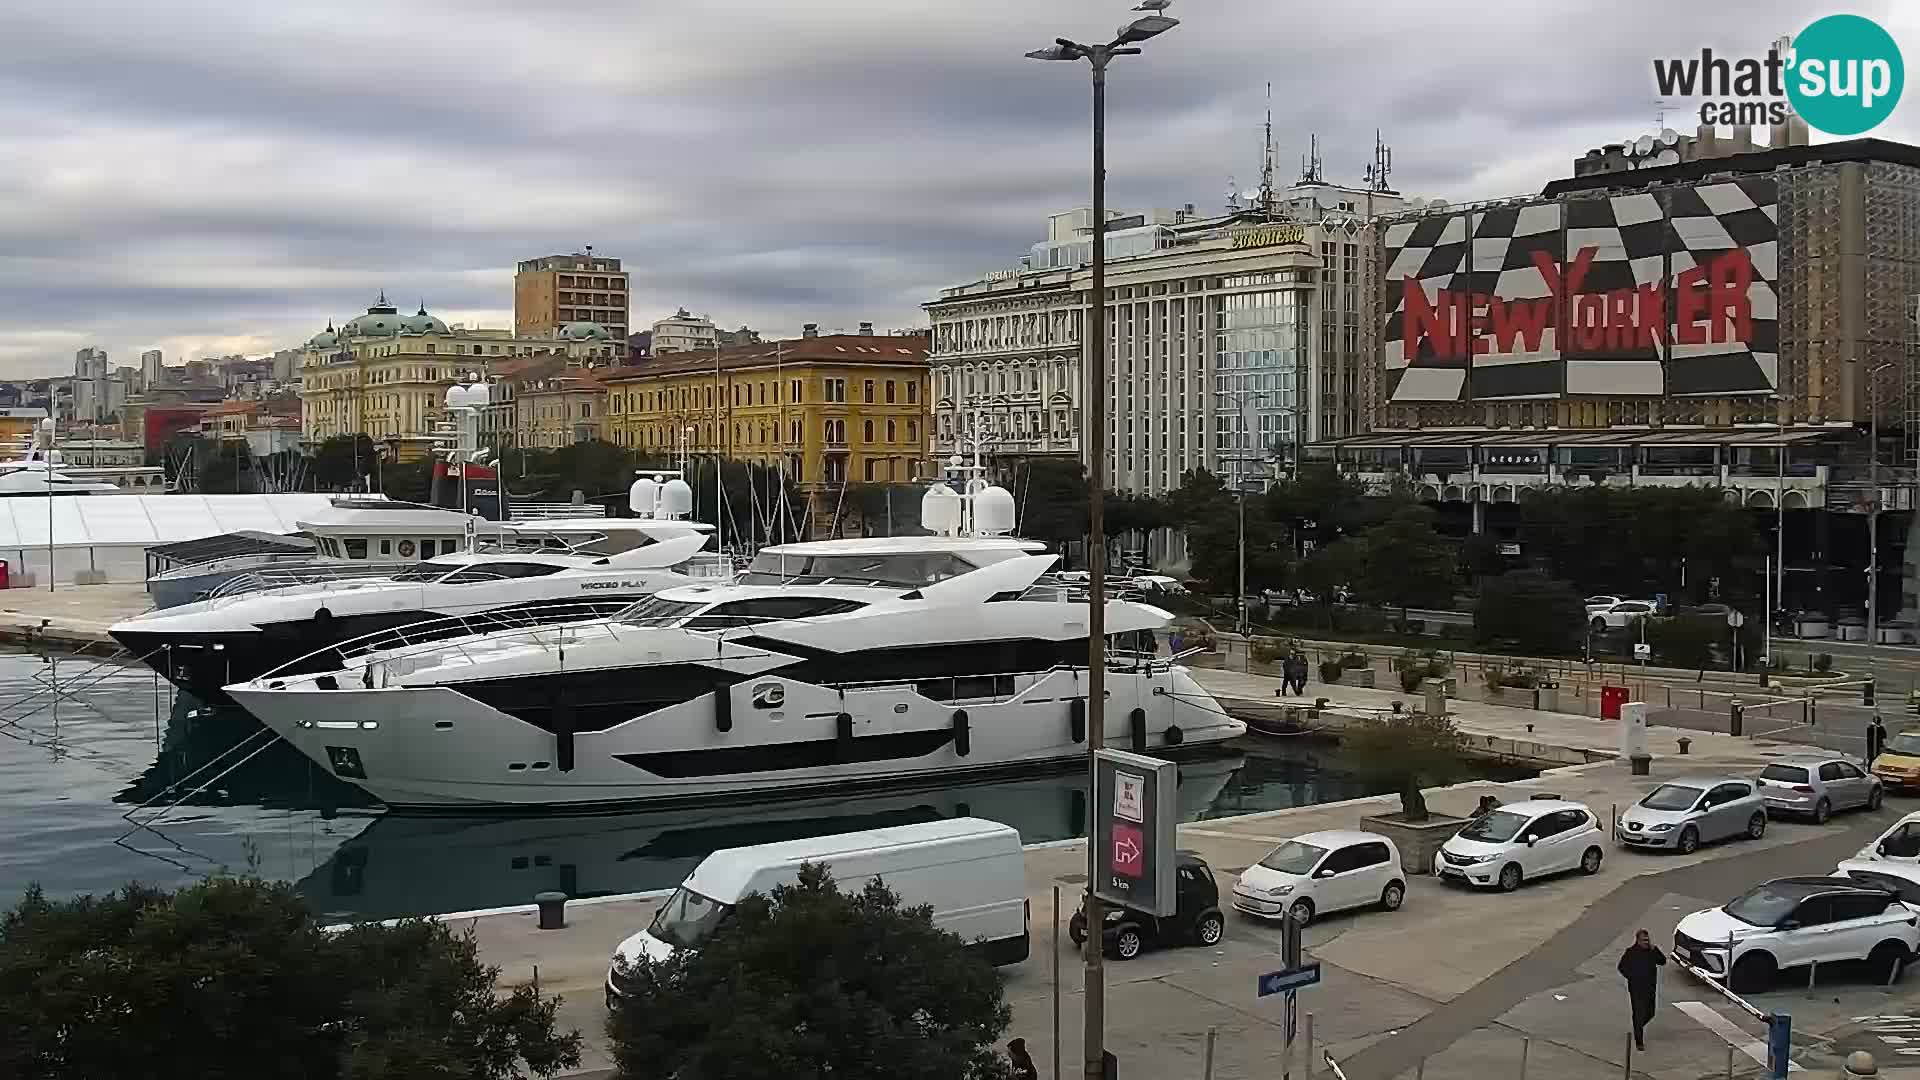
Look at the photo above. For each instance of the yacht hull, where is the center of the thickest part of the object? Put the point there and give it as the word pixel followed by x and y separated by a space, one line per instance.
pixel 444 748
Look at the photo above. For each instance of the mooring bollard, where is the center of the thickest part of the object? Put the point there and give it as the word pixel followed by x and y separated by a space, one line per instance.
pixel 1684 743
pixel 553 910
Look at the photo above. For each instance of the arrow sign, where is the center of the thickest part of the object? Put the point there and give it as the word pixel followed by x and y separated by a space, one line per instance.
pixel 1279 982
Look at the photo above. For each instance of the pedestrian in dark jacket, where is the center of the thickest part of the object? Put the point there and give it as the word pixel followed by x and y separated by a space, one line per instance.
pixel 1641 965
pixel 1296 675
pixel 1023 1066
pixel 1876 738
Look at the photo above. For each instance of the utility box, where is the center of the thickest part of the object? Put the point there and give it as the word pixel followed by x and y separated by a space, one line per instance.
pixel 1436 697
pixel 1611 698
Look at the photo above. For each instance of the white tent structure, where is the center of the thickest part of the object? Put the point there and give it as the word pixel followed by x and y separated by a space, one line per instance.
pixel 105 537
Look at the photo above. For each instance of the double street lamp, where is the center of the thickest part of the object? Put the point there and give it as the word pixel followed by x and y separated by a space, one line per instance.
pixel 1126 41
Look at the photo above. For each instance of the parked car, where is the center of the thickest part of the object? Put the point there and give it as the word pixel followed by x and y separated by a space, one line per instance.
pixel 1197 919
pixel 1686 812
pixel 1523 840
pixel 1898 765
pixel 1815 785
pixel 1792 922
pixel 1601 602
pixel 1619 615
pixel 1901 879
pixel 1320 872
pixel 1898 846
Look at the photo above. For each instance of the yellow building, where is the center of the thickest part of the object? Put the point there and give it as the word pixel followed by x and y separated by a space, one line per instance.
pixel 387 374
pixel 846 408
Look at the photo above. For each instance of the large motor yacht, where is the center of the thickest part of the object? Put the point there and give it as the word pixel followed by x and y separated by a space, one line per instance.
pixel 518 577
pixel 829 665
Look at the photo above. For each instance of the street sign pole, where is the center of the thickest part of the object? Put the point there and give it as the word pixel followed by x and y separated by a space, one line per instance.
pixel 1290 954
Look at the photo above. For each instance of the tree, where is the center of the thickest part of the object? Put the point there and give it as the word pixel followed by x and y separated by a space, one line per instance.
pixel 1407 752
pixel 233 977
pixel 815 982
pixel 1051 496
pixel 1527 610
pixel 1687 641
pixel 1327 570
pixel 343 462
pixel 1404 563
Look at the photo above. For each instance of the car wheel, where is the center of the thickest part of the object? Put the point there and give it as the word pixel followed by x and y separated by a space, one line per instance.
pixel 1689 840
pixel 1890 957
pixel 1127 943
pixel 1509 877
pixel 1212 927
pixel 1589 861
pixel 1393 896
pixel 1754 971
pixel 1874 797
pixel 1822 811
pixel 1756 826
pixel 1301 911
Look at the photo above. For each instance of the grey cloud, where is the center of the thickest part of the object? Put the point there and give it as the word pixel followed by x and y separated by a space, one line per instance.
pixel 237 170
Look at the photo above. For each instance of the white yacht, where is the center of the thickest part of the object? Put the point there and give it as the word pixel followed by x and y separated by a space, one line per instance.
pixel 519 577
pixel 828 666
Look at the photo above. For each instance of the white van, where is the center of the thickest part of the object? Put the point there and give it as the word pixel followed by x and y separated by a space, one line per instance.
pixel 970 871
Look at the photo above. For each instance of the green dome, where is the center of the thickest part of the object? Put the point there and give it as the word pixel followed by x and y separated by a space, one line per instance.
pixel 325 339
pixel 422 323
pixel 584 331
pixel 381 320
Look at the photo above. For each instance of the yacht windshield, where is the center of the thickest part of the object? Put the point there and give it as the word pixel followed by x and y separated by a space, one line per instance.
pixel 687 918
pixel 427 571
pixel 892 568
pixel 656 611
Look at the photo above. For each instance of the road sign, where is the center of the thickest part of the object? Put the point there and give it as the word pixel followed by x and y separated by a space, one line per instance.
pixel 1136 801
pixel 1735 619
pixel 1642 650
pixel 1279 982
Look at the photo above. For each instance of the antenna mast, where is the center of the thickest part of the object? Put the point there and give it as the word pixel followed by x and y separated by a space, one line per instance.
pixel 1310 162
pixel 1382 166
pixel 1266 160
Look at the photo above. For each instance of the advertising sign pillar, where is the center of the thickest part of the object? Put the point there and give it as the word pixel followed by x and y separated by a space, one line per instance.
pixel 1135 808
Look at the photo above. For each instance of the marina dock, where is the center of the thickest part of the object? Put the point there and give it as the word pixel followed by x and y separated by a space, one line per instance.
pixel 70 617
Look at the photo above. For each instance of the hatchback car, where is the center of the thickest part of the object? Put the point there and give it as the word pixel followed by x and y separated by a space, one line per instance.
pixel 1817 785
pixel 1197 919
pixel 1898 765
pixel 1323 871
pixel 1684 813
pixel 1523 840
pixel 1793 922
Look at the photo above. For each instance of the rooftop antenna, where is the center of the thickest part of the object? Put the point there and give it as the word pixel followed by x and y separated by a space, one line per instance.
pixel 1233 193
pixel 1310 162
pixel 1266 160
pixel 1382 166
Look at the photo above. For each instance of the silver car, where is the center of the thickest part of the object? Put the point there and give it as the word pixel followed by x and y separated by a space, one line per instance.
pixel 1686 812
pixel 1816 785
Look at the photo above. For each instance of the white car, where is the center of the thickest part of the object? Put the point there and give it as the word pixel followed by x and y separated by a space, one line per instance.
pixel 1899 845
pixel 1793 922
pixel 1601 602
pixel 1621 614
pixel 1523 840
pixel 1321 872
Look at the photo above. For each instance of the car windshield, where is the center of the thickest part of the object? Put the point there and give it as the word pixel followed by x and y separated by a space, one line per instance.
pixel 1496 828
pixel 1907 742
pixel 1766 905
pixel 1671 797
pixel 1786 774
pixel 688 917
pixel 1294 857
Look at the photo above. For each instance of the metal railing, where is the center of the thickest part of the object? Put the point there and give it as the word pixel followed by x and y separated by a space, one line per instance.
pixel 267 578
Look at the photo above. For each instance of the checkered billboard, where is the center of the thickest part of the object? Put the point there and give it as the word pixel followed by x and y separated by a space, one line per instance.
pixel 1663 293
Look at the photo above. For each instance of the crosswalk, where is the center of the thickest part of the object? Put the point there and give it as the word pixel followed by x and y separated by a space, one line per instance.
pixel 1736 1036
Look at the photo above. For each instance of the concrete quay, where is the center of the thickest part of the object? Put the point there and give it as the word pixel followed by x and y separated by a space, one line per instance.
pixel 71 617
pixel 1456 979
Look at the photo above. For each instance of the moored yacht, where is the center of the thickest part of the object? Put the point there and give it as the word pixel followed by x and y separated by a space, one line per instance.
pixel 829 665
pixel 518 578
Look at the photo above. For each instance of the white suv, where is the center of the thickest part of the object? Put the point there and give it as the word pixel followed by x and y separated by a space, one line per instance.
pixel 1523 840
pixel 1620 614
pixel 1793 922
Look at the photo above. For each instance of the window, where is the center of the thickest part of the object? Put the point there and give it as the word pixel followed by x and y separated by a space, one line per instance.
pixel 913 393
pixel 892 436
pixel 867 434
pixel 889 391
pixel 1785 774
pixel 1849 771
pixel 866 393
pixel 869 465
pixel 1340 862
pixel 1814 911
pixel 797 384
pixel 1830 771
pixel 1856 905
pixel 1727 793
pixel 357 549
pixel 1902 843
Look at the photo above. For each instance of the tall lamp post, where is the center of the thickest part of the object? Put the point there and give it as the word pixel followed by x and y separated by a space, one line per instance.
pixel 1873 528
pixel 1240 484
pixel 1125 43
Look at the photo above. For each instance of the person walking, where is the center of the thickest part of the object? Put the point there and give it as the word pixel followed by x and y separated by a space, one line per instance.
pixel 1023 1066
pixel 1876 738
pixel 1640 965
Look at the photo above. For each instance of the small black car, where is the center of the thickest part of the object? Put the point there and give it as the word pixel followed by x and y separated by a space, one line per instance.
pixel 1198 920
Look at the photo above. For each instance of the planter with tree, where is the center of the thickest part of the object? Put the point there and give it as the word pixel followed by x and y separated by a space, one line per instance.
pixel 1408 752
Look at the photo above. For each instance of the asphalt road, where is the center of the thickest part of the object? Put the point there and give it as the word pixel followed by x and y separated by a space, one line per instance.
pixel 1554 963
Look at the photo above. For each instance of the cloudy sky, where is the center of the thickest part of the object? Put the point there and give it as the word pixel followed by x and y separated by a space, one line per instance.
pixel 226 175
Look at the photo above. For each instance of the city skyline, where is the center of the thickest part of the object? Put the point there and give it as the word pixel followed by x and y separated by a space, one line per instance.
pixel 205 189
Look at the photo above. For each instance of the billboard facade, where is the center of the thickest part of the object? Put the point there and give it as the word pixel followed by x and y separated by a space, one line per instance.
pixel 1662 293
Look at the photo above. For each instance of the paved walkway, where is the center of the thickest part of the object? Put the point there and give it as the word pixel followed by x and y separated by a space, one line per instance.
pixel 69 615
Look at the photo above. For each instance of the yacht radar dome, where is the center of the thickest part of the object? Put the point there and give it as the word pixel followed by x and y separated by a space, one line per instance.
pixel 993 511
pixel 940 510
pixel 644 496
pixel 676 499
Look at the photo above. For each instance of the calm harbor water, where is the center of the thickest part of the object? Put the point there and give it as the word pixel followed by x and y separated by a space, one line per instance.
pixel 136 787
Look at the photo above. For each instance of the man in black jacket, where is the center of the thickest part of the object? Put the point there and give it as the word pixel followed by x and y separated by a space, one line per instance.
pixel 1641 965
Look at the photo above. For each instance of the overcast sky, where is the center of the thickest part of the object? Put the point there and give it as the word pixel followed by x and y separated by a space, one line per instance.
pixel 226 175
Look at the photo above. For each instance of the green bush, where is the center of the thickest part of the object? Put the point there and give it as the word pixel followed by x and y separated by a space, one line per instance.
pixel 1330 671
pixel 1410 681
pixel 1355 659
pixel 1823 662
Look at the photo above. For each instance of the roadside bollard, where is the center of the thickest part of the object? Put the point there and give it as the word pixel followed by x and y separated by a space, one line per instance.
pixel 1860 1063
pixel 1684 743
pixel 553 910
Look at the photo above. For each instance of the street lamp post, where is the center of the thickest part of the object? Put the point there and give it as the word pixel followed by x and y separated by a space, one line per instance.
pixel 1873 526
pixel 1124 43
